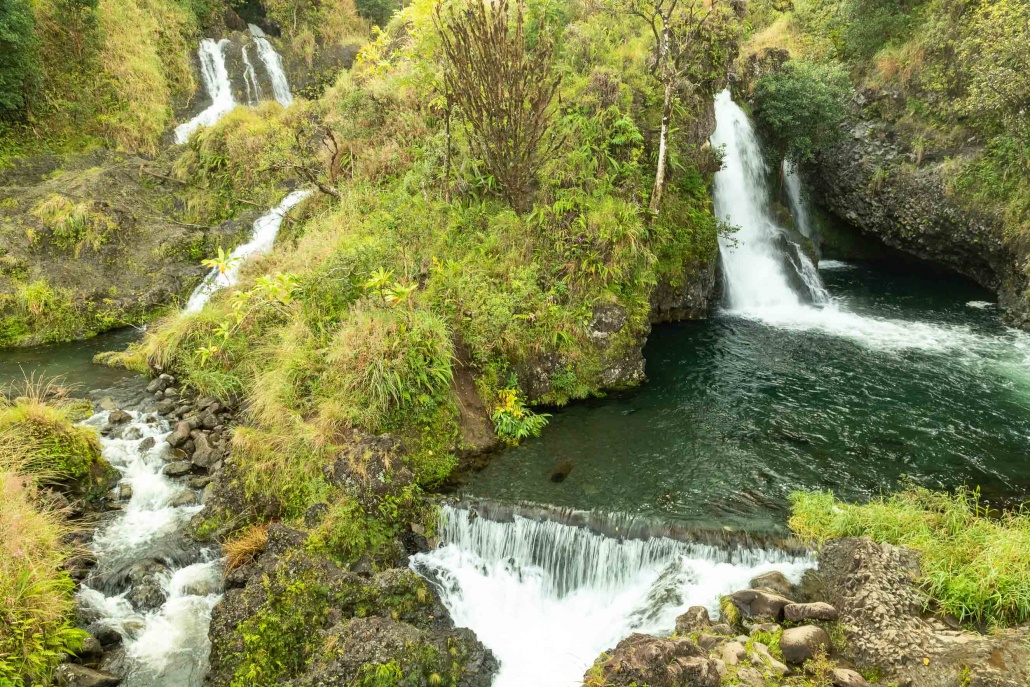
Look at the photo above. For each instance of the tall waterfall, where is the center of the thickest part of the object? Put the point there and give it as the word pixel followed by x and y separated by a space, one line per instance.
pixel 274 64
pixel 216 84
pixel 548 598
pixel 764 269
pixel 266 228
pixel 798 208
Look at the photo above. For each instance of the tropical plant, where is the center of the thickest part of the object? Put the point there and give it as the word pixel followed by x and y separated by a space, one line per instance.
pixel 513 421
pixel 223 263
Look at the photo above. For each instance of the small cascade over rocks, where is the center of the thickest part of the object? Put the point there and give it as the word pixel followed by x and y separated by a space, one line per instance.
pixel 215 77
pixel 250 79
pixel 547 598
pixel 274 64
pixel 266 228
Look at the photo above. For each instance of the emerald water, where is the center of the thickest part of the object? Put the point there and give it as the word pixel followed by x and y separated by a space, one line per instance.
pixel 69 364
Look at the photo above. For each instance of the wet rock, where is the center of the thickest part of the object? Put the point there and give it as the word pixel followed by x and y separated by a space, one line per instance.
pixel 775 582
pixel 844 677
pixel 105 634
pixel 204 455
pixel 799 613
pixel 694 620
pixel 178 468
pixel 200 588
pixel 146 597
pixel 132 433
pixel 90 652
pixel 753 603
pixel 107 403
pixel 165 407
pixel 208 493
pixel 641 659
pixel 186 498
pixel 147 444
pixel 200 482
pixel 125 491
pixel 180 435
pixel 800 644
pixel 72 675
pixel 118 417
pixel 114 661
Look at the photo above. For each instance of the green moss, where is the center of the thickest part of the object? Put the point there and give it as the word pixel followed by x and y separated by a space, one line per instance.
pixel 57 446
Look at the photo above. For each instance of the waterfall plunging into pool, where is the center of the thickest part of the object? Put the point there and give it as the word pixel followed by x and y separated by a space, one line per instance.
pixel 216 84
pixel 548 598
pixel 266 228
pixel 274 64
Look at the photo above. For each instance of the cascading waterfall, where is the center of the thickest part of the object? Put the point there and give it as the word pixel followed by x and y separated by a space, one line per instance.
pixel 261 241
pixel 168 646
pixel 548 598
pixel 274 66
pixel 798 209
pixel 250 80
pixel 216 84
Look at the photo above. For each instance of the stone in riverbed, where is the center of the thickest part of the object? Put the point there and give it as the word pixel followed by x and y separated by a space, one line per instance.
pixel 147 444
pixel 799 613
pixel 178 468
pixel 641 659
pixel 90 652
pixel 775 582
pixel 204 454
pixel 146 597
pixel 694 620
pixel 105 634
pixel 72 675
pixel 180 435
pixel 118 417
pixel 753 603
pixel 186 498
pixel 733 653
pixel 800 644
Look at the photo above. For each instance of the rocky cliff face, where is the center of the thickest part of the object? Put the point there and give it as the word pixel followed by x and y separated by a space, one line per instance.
pixel 875 181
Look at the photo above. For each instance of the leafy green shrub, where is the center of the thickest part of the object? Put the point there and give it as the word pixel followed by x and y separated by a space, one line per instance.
pixel 18 46
pixel 802 106
pixel 513 421
pixel 975 563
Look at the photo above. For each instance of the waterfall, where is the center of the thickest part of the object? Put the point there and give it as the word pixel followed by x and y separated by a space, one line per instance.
pixel 250 80
pixel 216 84
pixel 548 598
pixel 167 646
pixel 274 66
pixel 764 269
pixel 798 208
pixel 266 228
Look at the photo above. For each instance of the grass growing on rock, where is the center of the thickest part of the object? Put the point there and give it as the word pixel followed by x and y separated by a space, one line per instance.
pixel 975 562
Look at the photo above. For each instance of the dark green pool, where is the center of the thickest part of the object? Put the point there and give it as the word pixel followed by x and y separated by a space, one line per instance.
pixel 915 378
pixel 69 364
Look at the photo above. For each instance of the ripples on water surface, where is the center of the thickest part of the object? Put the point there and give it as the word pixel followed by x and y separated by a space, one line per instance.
pixel 905 376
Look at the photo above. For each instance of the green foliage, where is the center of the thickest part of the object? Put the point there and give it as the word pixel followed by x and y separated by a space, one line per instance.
pixel 802 105
pixel 975 563
pixel 377 11
pixel 18 46
pixel 513 421
pixel 857 29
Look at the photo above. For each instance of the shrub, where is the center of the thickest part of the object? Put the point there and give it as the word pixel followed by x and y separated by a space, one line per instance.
pixel 18 46
pixel 55 446
pixel 975 563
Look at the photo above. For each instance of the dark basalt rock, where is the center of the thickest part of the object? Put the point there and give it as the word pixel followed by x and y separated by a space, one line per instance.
pixel 645 660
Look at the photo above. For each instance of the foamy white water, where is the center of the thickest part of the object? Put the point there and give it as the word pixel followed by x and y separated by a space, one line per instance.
pixel 797 202
pixel 266 228
pixel 217 86
pixel 167 647
pixel 274 64
pixel 548 598
pixel 250 79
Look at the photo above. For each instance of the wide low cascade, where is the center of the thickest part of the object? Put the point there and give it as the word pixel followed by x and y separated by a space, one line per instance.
pixel 548 598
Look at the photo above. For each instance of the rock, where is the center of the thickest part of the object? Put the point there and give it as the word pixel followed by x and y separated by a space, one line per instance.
pixel 775 582
pixel 209 421
pixel 200 482
pixel 107 403
pixel 208 493
pixel 709 641
pixel 178 468
pixel 186 498
pixel 105 634
pixel 146 597
pixel 118 417
pixel 800 644
pixel 124 491
pixel 641 659
pixel 733 653
pixel 843 677
pixel 200 588
pixel 769 628
pixel 171 393
pixel 180 435
pixel 761 656
pixel 753 603
pixel 165 407
pixel 147 444
pixel 751 676
pixel 91 650
pixel 204 455
pixel 132 433
pixel 155 386
pixel 72 675
pixel 722 629
pixel 799 613
pixel 694 620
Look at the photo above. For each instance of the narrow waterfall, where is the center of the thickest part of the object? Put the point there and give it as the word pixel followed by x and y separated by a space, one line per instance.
pixel 266 228
pixel 216 84
pixel 149 584
pixel 274 65
pixel 764 269
pixel 548 598
pixel 798 208
pixel 250 80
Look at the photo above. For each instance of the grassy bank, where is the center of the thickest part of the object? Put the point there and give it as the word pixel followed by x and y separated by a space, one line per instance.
pixel 975 562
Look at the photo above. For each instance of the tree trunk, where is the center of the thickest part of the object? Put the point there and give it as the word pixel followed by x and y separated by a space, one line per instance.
pixel 663 151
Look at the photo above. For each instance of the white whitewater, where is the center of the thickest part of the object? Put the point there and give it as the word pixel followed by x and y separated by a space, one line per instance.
pixel 798 205
pixel 250 79
pixel 217 86
pixel 266 228
pixel 274 64
pixel 548 598
pixel 168 647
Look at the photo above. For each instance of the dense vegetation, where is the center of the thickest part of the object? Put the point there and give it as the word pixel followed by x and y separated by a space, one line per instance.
pixel 40 450
pixel 975 563
pixel 951 76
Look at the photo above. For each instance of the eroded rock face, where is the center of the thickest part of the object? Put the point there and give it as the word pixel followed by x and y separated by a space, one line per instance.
pixel 645 660
pixel 881 612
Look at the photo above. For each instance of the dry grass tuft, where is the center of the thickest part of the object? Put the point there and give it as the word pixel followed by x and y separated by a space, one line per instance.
pixel 246 547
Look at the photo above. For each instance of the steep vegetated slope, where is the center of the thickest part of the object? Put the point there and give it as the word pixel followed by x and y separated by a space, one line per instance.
pixel 933 156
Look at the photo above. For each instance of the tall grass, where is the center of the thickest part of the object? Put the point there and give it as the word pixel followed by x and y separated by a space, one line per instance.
pixel 975 563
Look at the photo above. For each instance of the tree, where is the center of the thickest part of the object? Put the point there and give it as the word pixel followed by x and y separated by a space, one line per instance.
pixel 802 106
pixel 694 40
pixel 18 54
pixel 503 89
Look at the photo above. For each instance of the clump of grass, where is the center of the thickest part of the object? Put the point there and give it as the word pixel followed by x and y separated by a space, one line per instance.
pixel 245 547
pixel 975 563
pixel 36 602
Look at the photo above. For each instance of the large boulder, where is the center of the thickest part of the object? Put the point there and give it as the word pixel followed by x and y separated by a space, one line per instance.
pixel 799 613
pixel 753 603
pixel 645 660
pixel 800 644
pixel 72 675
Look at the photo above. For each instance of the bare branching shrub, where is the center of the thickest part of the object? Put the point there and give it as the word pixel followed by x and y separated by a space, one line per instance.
pixel 504 90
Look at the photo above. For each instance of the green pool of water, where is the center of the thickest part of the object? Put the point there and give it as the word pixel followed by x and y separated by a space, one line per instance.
pixel 69 364
pixel 918 380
